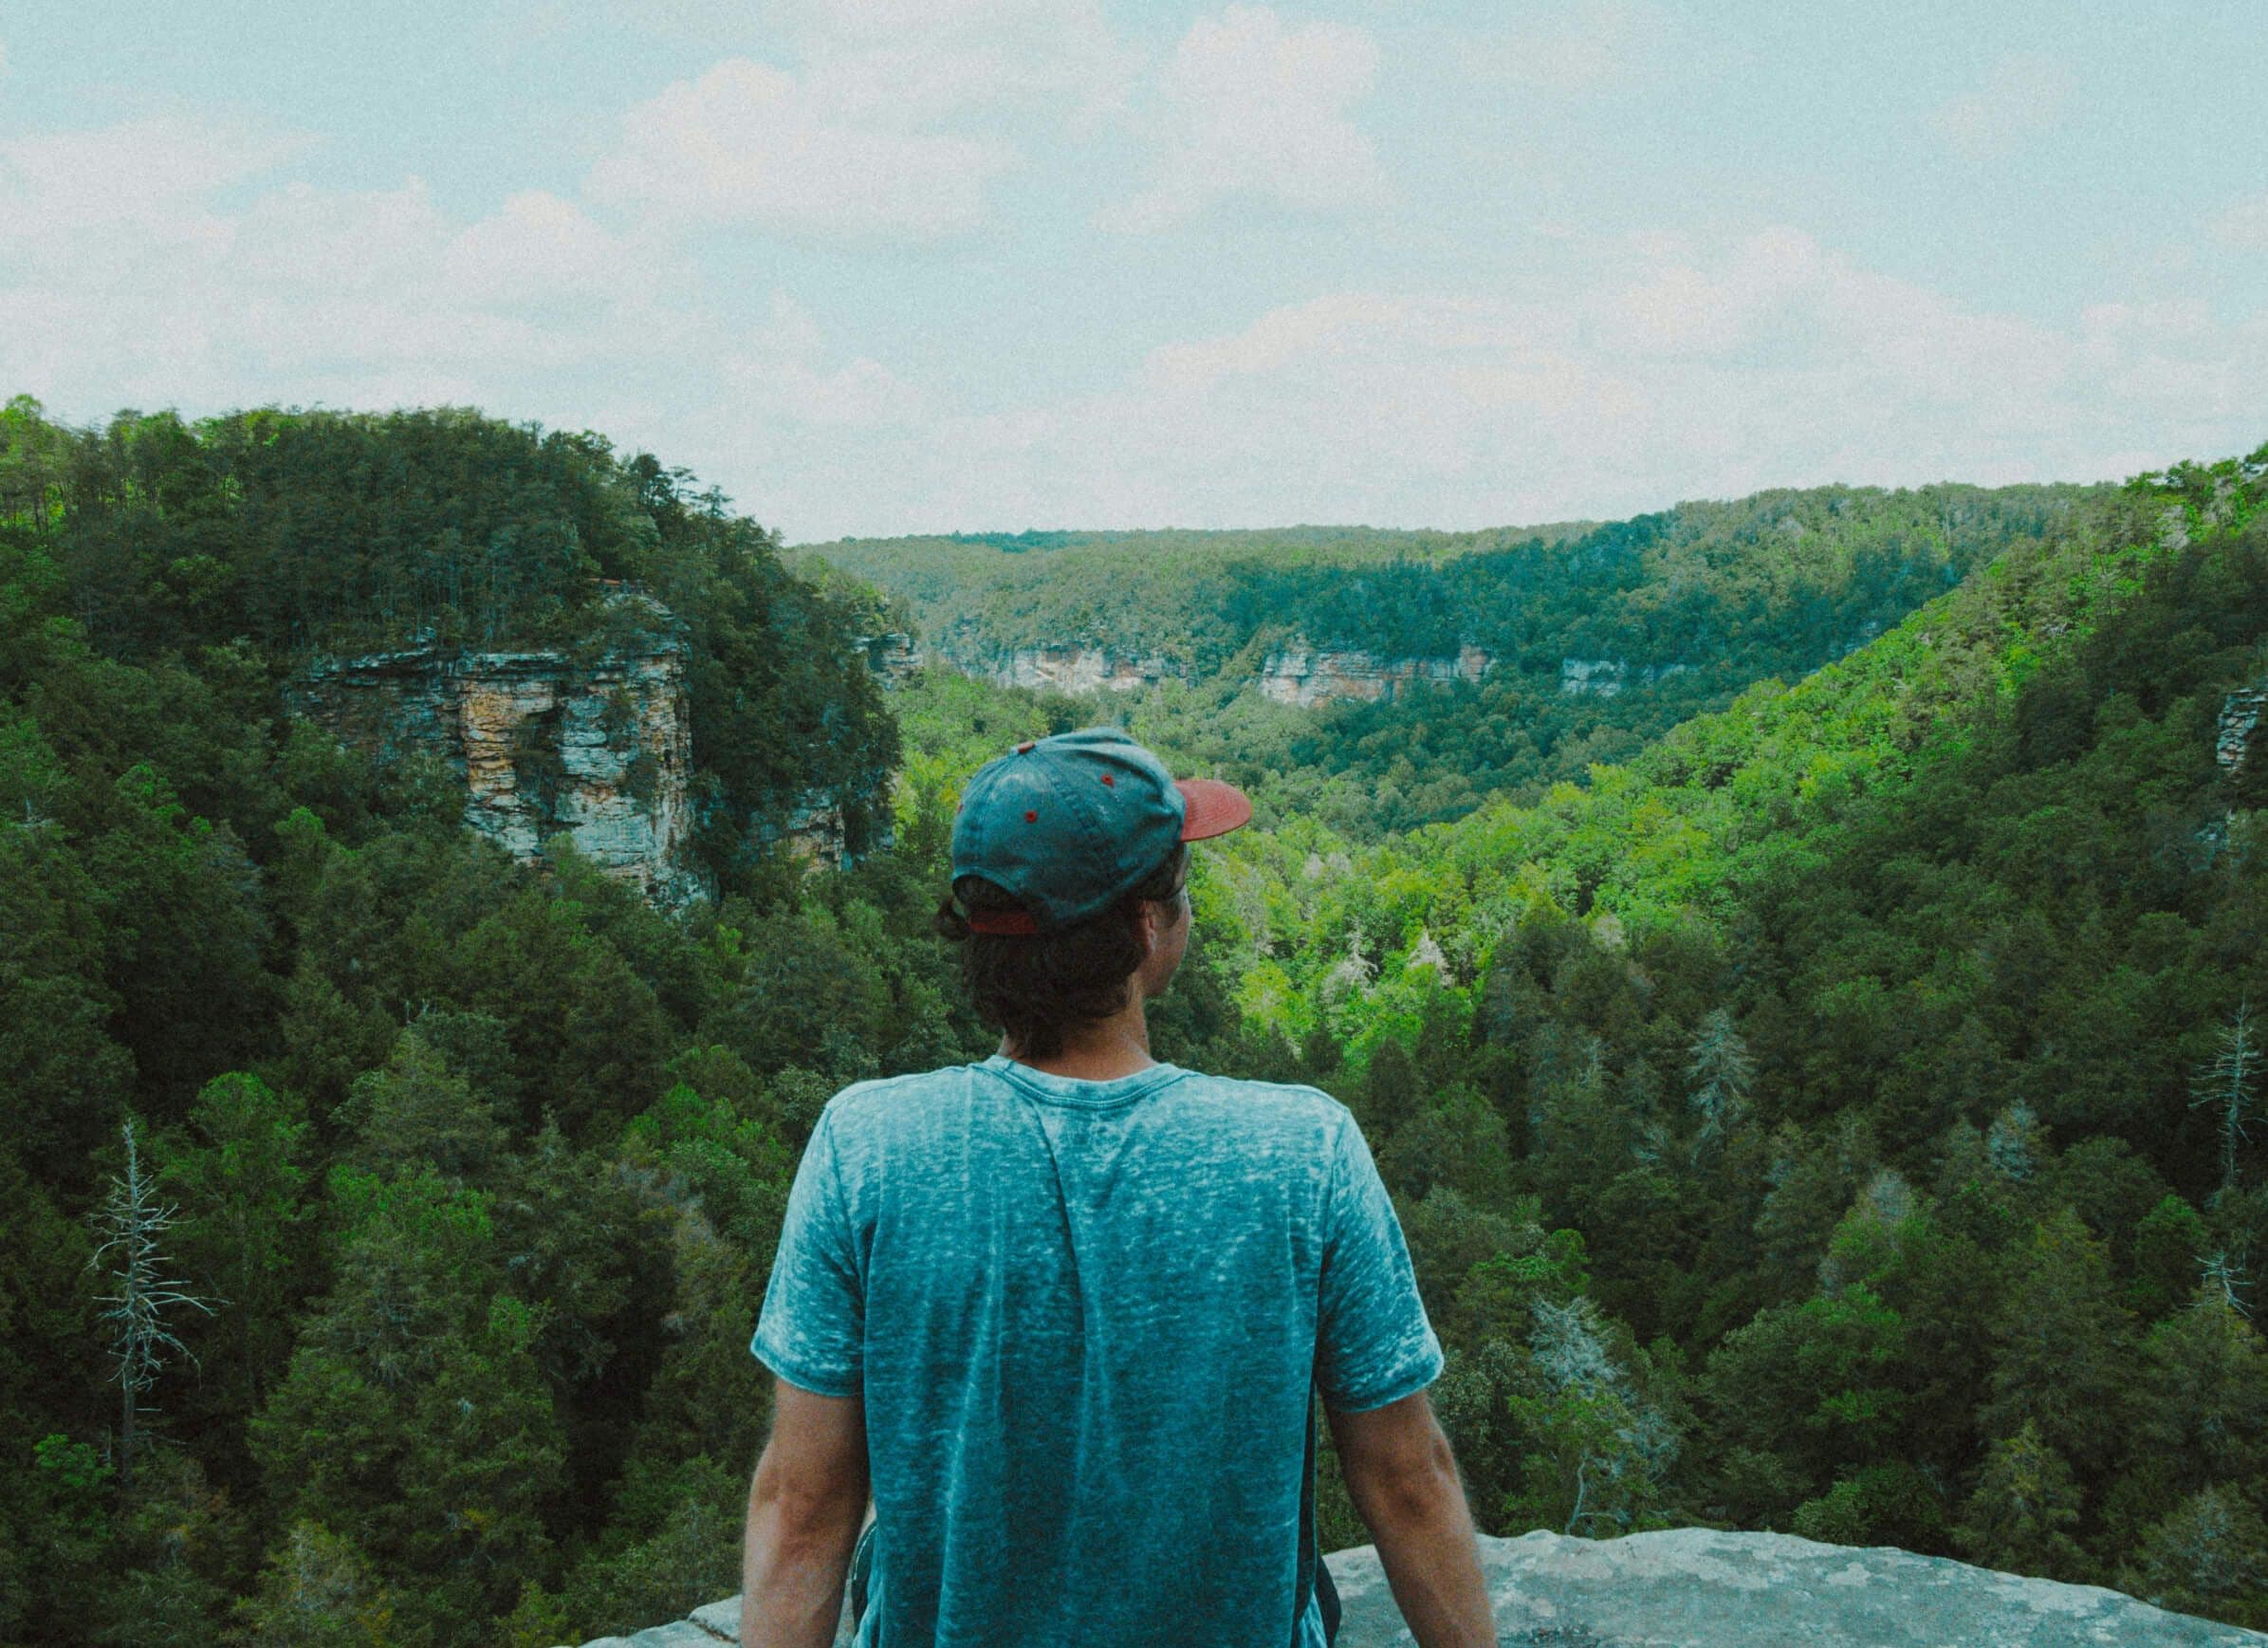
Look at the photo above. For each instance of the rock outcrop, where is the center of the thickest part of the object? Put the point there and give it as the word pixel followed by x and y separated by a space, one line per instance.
pixel 602 749
pixel 1604 677
pixel 1697 1588
pixel 2240 717
pixel 1074 669
pixel 1304 675
pixel 895 657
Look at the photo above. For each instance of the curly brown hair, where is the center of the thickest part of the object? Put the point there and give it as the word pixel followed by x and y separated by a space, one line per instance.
pixel 1037 988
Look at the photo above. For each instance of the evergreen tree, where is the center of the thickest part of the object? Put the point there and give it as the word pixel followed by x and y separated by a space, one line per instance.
pixel 1719 1074
pixel 2062 1347
pixel 2022 1512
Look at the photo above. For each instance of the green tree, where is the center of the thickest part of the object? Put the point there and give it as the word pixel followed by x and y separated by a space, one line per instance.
pixel 2062 1347
pixel 318 1592
pixel 244 1180
pixel 2022 1515
pixel 415 1415
pixel 1721 1075
pixel 2209 1556
pixel 419 1113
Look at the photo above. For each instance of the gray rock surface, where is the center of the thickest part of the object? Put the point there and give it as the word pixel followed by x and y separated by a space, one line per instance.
pixel 1693 1587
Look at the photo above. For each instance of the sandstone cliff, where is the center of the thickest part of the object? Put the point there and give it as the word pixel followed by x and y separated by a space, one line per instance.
pixel 893 657
pixel 1068 667
pixel 1303 675
pixel 600 749
pixel 1296 673
pixel 1697 1588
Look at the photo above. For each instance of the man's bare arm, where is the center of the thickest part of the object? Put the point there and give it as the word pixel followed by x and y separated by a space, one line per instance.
pixel 1404 1482
pixel 804 1508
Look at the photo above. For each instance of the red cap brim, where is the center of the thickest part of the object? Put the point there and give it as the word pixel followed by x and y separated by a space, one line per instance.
pixel 1213 807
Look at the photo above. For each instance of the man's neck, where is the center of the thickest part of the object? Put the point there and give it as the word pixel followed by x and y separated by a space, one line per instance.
pixel 1103 1051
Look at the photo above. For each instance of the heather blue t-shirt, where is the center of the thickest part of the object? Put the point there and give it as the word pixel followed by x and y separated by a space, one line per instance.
pixel 1086 1320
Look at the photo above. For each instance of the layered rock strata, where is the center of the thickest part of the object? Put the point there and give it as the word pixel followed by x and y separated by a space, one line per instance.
pixel 603 751
pixel 1304 675
pixel 895 657
pixel 1695 1587
pixel 1604 677
pixel 1077 668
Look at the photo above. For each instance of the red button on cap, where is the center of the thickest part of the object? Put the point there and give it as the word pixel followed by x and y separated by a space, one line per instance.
pixel 1025 745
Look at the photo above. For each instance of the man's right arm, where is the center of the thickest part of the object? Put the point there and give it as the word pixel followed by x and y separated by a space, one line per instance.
pixel 1404 1482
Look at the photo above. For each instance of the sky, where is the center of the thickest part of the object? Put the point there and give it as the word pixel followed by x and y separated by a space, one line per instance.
pixel 898 265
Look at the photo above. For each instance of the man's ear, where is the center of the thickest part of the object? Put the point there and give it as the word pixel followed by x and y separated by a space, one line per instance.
pixel 1151 927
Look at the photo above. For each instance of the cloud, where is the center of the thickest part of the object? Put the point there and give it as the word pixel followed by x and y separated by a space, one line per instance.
pixel 746 143
pixel 129 274
pixel 1670 368
pixel 1255 110
pixel 2244 225
pixel 1576 47
pixel 931 59
pixel 150 178
pixel 2019 98
pixel 178 263
pixel 890 125
pixel 782 368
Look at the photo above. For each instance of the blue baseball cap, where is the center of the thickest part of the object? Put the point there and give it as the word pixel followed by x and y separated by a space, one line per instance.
pixel 1068 826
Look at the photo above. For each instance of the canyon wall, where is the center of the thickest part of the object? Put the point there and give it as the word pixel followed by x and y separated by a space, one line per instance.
pixel 1069 668
pixel 1604 677
pixel 600 749
pixel 1305 676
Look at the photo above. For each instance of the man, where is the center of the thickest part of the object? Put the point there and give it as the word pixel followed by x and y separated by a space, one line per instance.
pixel 1067 1308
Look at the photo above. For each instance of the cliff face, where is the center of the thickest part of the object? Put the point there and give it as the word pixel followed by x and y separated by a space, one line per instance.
pixel 603 751
pixel 1695 1587
pixel 893 657
pixel 2240 717
pixel 1071 668
pixel 1302 675
pixel 1604 677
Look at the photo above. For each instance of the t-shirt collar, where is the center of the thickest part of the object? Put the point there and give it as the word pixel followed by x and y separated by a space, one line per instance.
pixel 1071 1090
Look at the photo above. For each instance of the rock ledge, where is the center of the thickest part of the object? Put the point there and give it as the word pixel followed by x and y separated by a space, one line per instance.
pixel 1695 1587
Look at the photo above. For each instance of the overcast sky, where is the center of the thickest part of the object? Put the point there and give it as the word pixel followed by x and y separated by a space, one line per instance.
pixel 886 265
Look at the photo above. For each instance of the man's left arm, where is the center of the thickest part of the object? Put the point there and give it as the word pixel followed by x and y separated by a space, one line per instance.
pixel 804 1509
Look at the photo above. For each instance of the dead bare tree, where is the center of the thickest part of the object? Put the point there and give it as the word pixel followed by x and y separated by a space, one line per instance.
pixel 2224 1084
pixel 131 1224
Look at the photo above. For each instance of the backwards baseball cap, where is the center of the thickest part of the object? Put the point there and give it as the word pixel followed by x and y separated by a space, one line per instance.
pixel 1070 825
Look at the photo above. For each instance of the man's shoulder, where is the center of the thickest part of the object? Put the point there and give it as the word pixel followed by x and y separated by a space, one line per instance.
pixel 868 1100
pixel 865 1105
pixel 1288 1100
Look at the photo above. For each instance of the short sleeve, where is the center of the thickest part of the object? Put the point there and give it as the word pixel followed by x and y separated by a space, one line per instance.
pixel 812 1330
pixel 1373 1344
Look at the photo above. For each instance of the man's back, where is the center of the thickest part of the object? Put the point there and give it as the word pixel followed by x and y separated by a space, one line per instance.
pixel 1085 1318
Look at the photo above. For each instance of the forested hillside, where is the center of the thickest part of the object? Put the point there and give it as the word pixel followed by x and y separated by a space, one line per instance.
pixel 1599 638
pixel 1838 1118
pixel 1841 1119
pixel 381 1221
